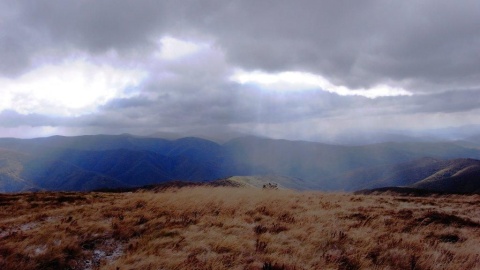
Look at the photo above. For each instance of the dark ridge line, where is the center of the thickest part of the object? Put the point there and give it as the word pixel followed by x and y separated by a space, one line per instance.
pixel 170 184
pixel 406 191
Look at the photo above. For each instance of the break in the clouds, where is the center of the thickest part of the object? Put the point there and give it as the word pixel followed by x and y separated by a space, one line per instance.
pixel 293 69
pixel 70 88
pixel 298 81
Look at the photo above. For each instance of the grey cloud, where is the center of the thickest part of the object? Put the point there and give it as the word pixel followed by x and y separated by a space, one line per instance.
pixel 358 44
pixel 10 118
pixel 97 25
pixel 423 45
pixel 123 103
pixel 428 47
pixel 15 41
pixel 445 102
pixel 237 105
pixel 13 55
pixel 31 30
pixel 185 103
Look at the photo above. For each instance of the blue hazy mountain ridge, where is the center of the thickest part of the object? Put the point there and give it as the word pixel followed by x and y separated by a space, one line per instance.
pixel 444 176
pixel 48 174
pixel 136 168
pixel 409 173
pixel 87 142
pixel 323 166
pixel 458 176
pixel 110 161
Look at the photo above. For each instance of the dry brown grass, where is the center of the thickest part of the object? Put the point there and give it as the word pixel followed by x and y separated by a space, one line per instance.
pixel 237 228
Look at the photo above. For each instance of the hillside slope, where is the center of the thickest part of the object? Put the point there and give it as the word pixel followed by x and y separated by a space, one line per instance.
pixel 127 161
pixel 11 168
pixel 458 176
pixel 327 167
pixel 449 176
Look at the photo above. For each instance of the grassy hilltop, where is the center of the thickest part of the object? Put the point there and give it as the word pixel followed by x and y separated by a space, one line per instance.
pixel 238 228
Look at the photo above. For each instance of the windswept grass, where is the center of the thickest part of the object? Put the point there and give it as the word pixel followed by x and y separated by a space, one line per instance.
pixel 237 228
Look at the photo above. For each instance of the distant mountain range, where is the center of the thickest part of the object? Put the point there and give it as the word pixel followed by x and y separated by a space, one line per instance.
pixel 122 161
pixel 453 176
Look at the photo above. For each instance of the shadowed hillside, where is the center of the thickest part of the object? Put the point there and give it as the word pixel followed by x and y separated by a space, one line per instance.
pixel 460 176
pixel 455 176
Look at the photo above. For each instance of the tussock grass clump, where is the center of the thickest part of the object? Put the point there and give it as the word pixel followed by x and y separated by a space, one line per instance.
pixel 446 219
pixel 237 228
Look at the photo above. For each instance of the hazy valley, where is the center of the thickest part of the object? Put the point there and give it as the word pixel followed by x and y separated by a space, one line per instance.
pixel 86 163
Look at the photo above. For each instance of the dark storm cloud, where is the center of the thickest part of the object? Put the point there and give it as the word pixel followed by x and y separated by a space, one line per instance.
pixel 97 25
pixel 15 42
pixel 360 43
pixel 35 29
pixel 429 48
pixel 14 54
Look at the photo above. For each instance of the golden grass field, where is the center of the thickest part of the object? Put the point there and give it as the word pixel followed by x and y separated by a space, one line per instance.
pixel 238 228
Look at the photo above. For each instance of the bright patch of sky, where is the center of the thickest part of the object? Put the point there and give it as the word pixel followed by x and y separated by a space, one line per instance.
pixel 299 81
pixel 171 48
pixel 70 88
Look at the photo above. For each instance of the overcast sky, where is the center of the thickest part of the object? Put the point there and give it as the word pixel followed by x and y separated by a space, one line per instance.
pixel 285 69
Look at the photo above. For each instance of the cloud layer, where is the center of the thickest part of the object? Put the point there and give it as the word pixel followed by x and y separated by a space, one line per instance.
pixel 293 69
